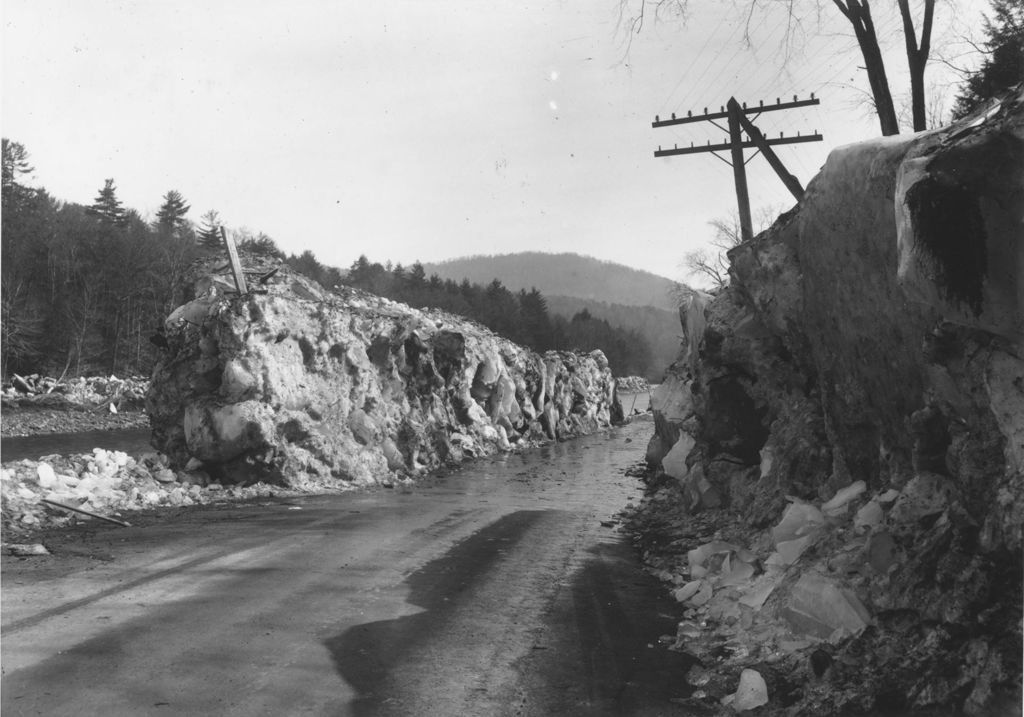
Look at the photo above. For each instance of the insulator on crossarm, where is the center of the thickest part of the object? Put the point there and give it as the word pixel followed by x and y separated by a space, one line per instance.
pixel 673 115
pixel 761 103
pixel 656 118
pixel 705 110
pixel 744 105
pixel 794 98
pixel 777 101
pixel 812 95
pixel 689 113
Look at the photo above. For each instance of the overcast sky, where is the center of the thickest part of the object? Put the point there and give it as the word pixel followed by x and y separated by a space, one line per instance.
pixel 423 129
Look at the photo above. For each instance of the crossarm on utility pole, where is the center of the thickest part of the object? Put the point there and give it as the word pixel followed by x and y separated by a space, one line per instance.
pixel 791 182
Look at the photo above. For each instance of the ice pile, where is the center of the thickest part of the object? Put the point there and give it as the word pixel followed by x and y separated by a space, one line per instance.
pixel 107 483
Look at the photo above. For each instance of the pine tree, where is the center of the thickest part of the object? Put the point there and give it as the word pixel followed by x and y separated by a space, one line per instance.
pixel 15 162
pixel 1005 68
pixel 107 207
pixel 171 215
pixel 209 233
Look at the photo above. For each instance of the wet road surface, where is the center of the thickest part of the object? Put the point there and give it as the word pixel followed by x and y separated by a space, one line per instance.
pixel 494 590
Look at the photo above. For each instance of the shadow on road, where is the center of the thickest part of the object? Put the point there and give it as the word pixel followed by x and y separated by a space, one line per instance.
pixel 597 654
pixel 367 656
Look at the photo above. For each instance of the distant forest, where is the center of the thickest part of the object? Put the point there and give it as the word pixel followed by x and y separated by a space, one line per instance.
pixel 521 316
pixel 83 288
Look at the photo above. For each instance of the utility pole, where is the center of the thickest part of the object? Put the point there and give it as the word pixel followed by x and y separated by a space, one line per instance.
pixel 736 115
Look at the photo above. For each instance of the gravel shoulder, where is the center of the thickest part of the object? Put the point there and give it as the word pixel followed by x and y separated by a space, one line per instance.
pixel 33 421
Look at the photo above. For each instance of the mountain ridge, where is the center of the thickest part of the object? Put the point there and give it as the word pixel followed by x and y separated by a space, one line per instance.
pixel 563 274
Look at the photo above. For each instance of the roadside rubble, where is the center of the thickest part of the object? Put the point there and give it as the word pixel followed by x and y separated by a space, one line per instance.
pixel 754 602
pixel 108 483
pixel 37 404
pixel 633 384
pixel 45 391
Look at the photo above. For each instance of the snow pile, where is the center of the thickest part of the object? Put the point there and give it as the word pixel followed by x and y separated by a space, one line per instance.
pixel 859 388
pixel 35 389
pixel 632 384
pixel 108 483
pixel 291 381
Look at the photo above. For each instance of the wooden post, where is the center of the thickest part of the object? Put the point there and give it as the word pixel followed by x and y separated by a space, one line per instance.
pixel 791 182
pixel 236 265
pixel 739 170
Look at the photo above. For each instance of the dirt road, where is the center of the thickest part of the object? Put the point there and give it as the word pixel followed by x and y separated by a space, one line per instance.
pixel 494 590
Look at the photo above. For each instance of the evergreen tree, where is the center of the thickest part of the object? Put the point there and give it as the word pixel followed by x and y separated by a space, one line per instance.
pixel 417 275
pixel 15 162
pixel 24 226
pixel 260 245
pixel 209 233
pixel 171 215
pixel 536 323
pixel 107 207
pixel 1004 69
pixel 359 272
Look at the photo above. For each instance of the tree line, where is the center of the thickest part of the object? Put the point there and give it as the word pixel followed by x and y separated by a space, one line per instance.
pixel 521 316
pixel 84 288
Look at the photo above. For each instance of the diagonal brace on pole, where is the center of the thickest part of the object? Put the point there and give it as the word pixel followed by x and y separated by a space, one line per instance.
pixel 791 182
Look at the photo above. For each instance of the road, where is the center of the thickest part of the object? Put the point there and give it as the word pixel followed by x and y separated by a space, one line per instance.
pixel 493 590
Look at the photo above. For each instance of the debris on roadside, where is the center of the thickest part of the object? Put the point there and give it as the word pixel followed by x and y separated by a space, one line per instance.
pixel 87 513
pixel 103 484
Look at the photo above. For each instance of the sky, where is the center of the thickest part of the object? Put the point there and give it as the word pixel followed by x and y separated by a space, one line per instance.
pixel 432 129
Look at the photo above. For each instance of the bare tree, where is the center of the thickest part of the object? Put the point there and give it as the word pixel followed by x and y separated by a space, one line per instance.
pixel 712 262
pixel 633 13
pixel 917 57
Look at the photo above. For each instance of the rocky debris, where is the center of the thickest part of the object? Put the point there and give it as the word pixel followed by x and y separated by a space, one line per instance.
pixel 850 410
pixel 751 693
pixel 26 550
pixel 44 391
pixel 107 483
pixel 632 384
pixel 292 383
pixel 37 404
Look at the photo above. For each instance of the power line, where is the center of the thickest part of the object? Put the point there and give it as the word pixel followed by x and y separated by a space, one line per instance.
pixel 738 124
pixel 699 54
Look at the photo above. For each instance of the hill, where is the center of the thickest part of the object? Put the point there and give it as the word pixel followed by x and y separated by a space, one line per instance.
pixel 659 326
pixel 626 298
pixel 573 275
